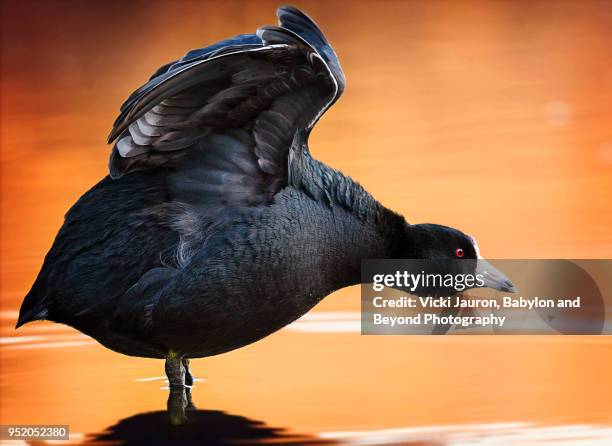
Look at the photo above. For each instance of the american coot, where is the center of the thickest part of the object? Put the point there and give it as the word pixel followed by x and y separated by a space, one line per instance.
pixel 216 227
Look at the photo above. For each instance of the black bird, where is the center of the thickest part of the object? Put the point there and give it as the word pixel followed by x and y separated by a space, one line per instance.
pixel 216 227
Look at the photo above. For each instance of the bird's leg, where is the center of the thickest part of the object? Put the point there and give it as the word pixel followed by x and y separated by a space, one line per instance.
pixel 188 376
pixel 175 370
pixel 188 401
pixel 189 380
pixel 177 400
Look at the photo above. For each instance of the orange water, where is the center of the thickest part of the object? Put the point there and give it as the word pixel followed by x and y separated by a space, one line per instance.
pixel 493 117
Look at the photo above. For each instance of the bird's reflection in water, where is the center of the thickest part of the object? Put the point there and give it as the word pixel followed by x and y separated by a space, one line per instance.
pixel 179 404
pixel 202 427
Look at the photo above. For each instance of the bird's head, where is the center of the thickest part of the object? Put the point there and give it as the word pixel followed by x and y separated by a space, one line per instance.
pixel 450 251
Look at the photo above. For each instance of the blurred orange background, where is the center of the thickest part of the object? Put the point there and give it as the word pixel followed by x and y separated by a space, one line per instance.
pixel 493 117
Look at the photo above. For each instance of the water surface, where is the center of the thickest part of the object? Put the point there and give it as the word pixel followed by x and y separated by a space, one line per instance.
pixel 493 117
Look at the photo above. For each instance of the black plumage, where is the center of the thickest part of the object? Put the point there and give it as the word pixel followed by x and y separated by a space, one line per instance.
pixel 216 227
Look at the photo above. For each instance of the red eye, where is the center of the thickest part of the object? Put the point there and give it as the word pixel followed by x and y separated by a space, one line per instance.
pixel 459 252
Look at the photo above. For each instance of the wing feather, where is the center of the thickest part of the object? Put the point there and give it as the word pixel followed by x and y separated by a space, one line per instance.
pixel 224 117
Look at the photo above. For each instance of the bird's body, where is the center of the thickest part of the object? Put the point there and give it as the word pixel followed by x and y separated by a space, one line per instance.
pixel 216 227
pixel 115 272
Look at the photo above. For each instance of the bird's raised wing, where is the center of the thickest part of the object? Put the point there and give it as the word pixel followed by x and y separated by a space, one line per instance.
pixel 223 118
